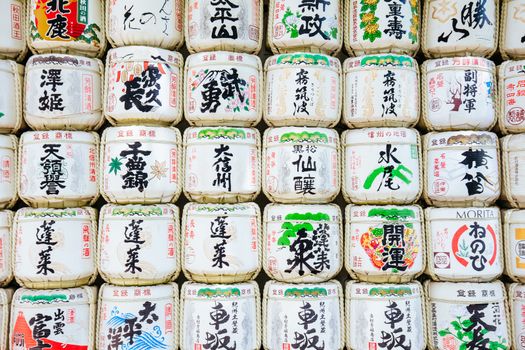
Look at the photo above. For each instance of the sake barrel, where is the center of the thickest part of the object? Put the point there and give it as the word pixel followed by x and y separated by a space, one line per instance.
pixel 303 315
pixel 475 310
pixel 222 164
pixel 56 318
pixel 66 27
pixel 512 34
pixel 303 89
pixel 458 94
pixel 141 165
pixel 460 28
pixel 381 166
pixel 383 315
pixel 232 25
pixel 514 240
pixel 511 101
pixel 221 242
pixel 373 27
pixel 301 165
pixel 63 92
pixel 513 170
pixel 464 244
pixel 13 26
pixel 11 79
pixel 225 314
pixel 384 244
pixel 143 86
pixel 223 88
pixel 5 303
pixel 139 245
pixel 58 169
pixel 302 243
pixel 155 23
pixel 150 313
pixel 381 90
pixel 296 25
pixel 8 173
pixel 55 248
pixel 461 168
pixel 6 236
pixel 516 305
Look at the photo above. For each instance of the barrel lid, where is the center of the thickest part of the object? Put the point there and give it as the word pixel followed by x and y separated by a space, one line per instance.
pixel 8 141
pixel 517 291
pixel 458 62
pixel 461 214
pixel 359 290
pixel 466 292
pixel 461 139
pixel 380 136
pixel 303 59
pixel 63 60
pixel 276 212
pixel 70 296
pixel 515 216
pixel 144 53
pixel 110 292
pixel 279 290
pixel 141 133
pixel 372 213
pixel 201 291
pixel 512 68
pixel 112 211
pixel 513 143
pixel 305 135
pixel 212 210
pixel 214 134
pixel 58 136
pixel 380 61
pixel 222 57
pixel 30 214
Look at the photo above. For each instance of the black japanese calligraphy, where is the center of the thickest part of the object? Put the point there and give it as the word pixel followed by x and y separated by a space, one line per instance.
pixel 395 23
pixel 51 101
pixel 301 92
pixel 52 164
pixel 395 338
pixel 218 232
pixel 306 168
pixel 44 236
pixel 223 20
pixel 389 94
pixel 475 159
pixel 219 339
pixel 309 339
pixel 473 16
pixel 135 176
pixel 132 235
pixel 142 92
pixel 392 169
pixel 222 167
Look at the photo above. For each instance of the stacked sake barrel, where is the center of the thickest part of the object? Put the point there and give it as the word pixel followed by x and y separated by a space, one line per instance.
pixel 53 240
pixel 141 176
pixel 511 122
pixel 462 178
pixel 383 177
pixel 303 234
pixel 221 225
pixel 13 49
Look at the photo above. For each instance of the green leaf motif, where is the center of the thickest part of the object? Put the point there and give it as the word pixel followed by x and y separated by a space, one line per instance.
pixel 115 165
pixel 1 114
